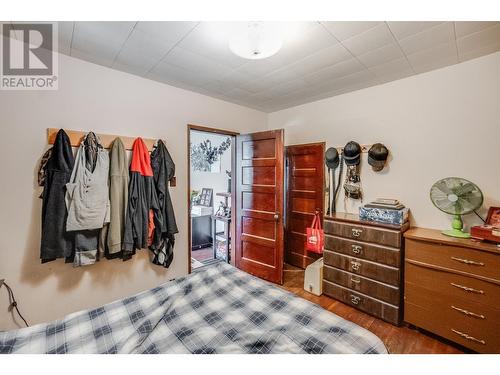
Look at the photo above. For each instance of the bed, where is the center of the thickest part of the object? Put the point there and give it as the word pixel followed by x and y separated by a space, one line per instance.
pixel 216 309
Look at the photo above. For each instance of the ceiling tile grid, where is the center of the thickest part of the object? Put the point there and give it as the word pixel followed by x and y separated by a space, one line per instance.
pixel 322 59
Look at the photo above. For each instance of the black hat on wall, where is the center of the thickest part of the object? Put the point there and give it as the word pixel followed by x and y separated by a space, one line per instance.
pixel 377 156
pixel 352 153
pixel 332 158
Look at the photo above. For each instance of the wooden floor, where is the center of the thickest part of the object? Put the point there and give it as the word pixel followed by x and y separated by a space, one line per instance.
pixel 398 340
pixel 203 254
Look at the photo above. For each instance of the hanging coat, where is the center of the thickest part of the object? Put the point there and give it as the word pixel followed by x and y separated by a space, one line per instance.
pixel 56 242
pixel 142 201
pixel 87 199
pixel 112 235
pixel 166 227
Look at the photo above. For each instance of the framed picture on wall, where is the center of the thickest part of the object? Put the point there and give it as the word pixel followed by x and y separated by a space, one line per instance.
pixel 206 197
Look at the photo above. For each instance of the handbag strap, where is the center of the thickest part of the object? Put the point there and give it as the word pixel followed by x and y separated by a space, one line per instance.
pixel 318 221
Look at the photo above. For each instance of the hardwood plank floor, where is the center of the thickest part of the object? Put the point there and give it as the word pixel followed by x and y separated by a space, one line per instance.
pixel 398 340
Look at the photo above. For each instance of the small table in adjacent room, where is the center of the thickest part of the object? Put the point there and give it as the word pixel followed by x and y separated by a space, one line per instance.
pixel 222 239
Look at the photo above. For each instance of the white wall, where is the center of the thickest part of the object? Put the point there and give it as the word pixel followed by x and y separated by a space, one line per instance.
pixel 91 97
pixel 438 124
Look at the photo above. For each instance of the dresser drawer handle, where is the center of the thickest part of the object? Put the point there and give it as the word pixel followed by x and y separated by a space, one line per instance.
pixel 355 266
pixel 467 289
pixel 357 281
pixel 355 299
pixel 468 313
pixel 466 261
pixel 466 336
pixel 356 249
pixel 356 232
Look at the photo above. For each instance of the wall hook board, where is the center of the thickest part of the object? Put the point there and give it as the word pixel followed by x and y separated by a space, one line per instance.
pixel 364 149
pixel 76 136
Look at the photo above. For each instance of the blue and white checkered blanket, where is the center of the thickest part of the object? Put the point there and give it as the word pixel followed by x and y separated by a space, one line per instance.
pixel 216 309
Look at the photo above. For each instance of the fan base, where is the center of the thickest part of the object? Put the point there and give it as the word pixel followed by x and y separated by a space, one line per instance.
pixel 456 233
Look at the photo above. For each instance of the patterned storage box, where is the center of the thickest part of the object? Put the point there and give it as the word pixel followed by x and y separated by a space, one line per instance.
pixel 382 215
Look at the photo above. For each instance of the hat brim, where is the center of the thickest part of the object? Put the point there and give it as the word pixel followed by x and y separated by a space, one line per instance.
pixel 377 165
pixel 352 161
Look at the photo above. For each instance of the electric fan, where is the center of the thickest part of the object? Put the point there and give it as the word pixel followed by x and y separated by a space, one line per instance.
pixel 457 197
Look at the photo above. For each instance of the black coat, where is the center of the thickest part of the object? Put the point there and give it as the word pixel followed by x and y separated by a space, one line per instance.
pixel 56 242
pixel 142 201
pixel 165 225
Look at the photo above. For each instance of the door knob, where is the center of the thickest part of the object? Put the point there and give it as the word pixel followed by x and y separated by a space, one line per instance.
pixel 276 216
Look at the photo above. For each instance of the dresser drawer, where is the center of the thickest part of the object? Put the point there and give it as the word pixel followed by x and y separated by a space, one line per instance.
pixel 470 324
pixel 379 272
pixel 474 262
pixel 377 253
pixel 363 302
pixel 364 233
pixel 453 285
pixel 363 285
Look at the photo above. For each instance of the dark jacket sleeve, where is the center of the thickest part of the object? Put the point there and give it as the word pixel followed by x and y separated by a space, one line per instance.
pixel 132 207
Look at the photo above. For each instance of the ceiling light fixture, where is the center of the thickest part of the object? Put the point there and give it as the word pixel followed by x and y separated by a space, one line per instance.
pixel 256 40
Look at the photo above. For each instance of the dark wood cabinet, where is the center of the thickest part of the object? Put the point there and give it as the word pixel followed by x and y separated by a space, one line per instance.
pixel 452 288
pixel 362 265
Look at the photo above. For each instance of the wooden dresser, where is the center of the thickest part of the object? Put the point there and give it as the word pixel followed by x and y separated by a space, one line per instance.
pixel 363 265
pixel 452 288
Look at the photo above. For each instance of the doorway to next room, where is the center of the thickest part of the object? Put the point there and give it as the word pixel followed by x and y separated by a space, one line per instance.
pixel 211 157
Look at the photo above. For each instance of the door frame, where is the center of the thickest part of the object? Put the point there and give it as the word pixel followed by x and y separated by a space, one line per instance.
pixel 321 144
pixel 233 135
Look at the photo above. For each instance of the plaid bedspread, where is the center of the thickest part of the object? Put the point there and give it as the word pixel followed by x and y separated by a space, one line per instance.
pixel 216 309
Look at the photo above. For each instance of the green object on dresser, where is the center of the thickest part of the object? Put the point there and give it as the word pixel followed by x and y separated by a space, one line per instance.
pixel 456 196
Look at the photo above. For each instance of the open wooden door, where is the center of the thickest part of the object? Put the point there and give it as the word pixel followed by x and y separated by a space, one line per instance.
pixel 259 204
pixel 304 196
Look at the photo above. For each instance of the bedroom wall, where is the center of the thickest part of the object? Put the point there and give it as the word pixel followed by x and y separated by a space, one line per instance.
pixel 438 124
pixel 91 97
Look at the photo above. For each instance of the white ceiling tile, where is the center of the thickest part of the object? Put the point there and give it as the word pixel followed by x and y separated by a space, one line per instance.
pixel 209 39
pixel 134 62
pixel 173 74
pixel 469 27
pixel 479 44
pixel 239 94
pixel 103 40
pixel 144 44
pixel 285 88
pixel 171 31
pixel 434 58
pixel 396 66
pixel 429 38
pixel 321 59
pixel 194 62
pixel 257 85
pixel 93 58
pixel 138 69
pixel 335 71
pixel 381 55
pixel 403 29
pixel 369 40
pixel 346 29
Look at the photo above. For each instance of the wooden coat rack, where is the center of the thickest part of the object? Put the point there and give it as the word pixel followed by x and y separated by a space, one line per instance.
pixel 76 137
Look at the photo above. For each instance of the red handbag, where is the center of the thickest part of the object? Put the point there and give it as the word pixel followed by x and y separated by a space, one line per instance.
pixel 315 236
